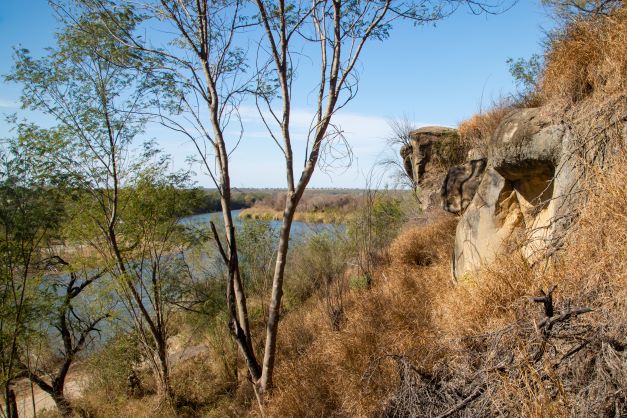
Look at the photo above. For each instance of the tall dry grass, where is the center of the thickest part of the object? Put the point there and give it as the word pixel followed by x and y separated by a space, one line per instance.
pixel 327 377
pixel 588 59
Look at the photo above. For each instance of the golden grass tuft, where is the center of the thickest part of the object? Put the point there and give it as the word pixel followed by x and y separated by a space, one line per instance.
pixel 477 131
pixel 589 58
pixel 416 246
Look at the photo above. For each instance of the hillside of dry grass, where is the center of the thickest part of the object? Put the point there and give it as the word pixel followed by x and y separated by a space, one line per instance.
pixel 416 345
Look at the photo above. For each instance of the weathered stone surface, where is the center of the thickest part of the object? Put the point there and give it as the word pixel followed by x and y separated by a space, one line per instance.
pixel 460 185
pixel 419 158
pixel 524 199
pixel 422 144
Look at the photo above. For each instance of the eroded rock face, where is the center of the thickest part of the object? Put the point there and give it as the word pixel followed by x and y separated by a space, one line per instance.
pixel 523 201
pixel 420 152
pixel 420 157
pixel 461 184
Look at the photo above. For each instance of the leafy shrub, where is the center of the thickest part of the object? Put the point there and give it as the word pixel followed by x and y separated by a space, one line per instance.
pixel 526 73
pixel 315 264
pixel 257 242
pixel 110 367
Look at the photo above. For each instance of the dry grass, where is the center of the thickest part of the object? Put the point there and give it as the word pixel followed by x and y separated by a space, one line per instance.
pixel 415 246
pixel 588 59
pixel 327 376
pixel 415 345
pixel 477 131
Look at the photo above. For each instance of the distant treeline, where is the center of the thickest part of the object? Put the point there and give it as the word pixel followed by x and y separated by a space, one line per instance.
pixel 312 201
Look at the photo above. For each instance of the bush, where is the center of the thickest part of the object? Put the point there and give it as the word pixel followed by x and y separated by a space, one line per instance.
pixel 109 368
pixel 316 264
pixel 257 242
pixel 416 245
pixel 107 377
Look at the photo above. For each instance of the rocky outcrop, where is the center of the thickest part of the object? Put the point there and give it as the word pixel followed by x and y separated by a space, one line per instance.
pixel 518 197
pixel 425 160
pixel 522 202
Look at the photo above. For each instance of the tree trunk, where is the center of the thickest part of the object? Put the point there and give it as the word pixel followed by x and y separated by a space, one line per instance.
pixel 10 402
pixel 274 311
pixel 63 405
pixel 164 372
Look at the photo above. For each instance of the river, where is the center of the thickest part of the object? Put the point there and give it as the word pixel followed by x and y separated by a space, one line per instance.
pixel 299 229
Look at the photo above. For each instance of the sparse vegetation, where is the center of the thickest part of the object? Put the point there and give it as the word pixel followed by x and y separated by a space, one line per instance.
pixel 477 131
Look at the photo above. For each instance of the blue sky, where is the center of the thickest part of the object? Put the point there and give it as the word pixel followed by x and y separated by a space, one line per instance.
pixel 433 75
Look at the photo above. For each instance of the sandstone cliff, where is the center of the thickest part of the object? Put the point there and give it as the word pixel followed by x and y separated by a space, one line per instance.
pixel 521 196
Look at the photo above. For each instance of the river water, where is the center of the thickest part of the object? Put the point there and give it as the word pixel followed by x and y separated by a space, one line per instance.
pixel 201 261
pixel 299 229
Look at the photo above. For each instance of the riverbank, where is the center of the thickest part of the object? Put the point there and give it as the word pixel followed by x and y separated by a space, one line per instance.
pixel 316 217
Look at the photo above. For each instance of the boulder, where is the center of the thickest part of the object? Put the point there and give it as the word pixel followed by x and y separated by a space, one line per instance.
pixel 523 202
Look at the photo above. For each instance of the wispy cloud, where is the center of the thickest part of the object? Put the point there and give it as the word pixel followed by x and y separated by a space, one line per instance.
pixel 9 104
pixel 363 131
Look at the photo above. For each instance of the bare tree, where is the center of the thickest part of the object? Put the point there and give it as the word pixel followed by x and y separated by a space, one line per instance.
pixel 571 9
pixel 398 160
pixel 338 30
pixel 200 80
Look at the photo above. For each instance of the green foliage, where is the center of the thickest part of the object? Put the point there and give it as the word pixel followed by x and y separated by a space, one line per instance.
pixel 358 282
pixel 88 84
pixel 210 200
pixel 110 366
pixel 31 212
pixel 377 222
pixel 314 263
pixel 126 203
pixel 526 74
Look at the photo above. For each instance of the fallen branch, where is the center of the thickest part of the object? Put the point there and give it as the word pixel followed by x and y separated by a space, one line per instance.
pixel 547 323
pixel 571 353
pixel 547 300
pixel 474 395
